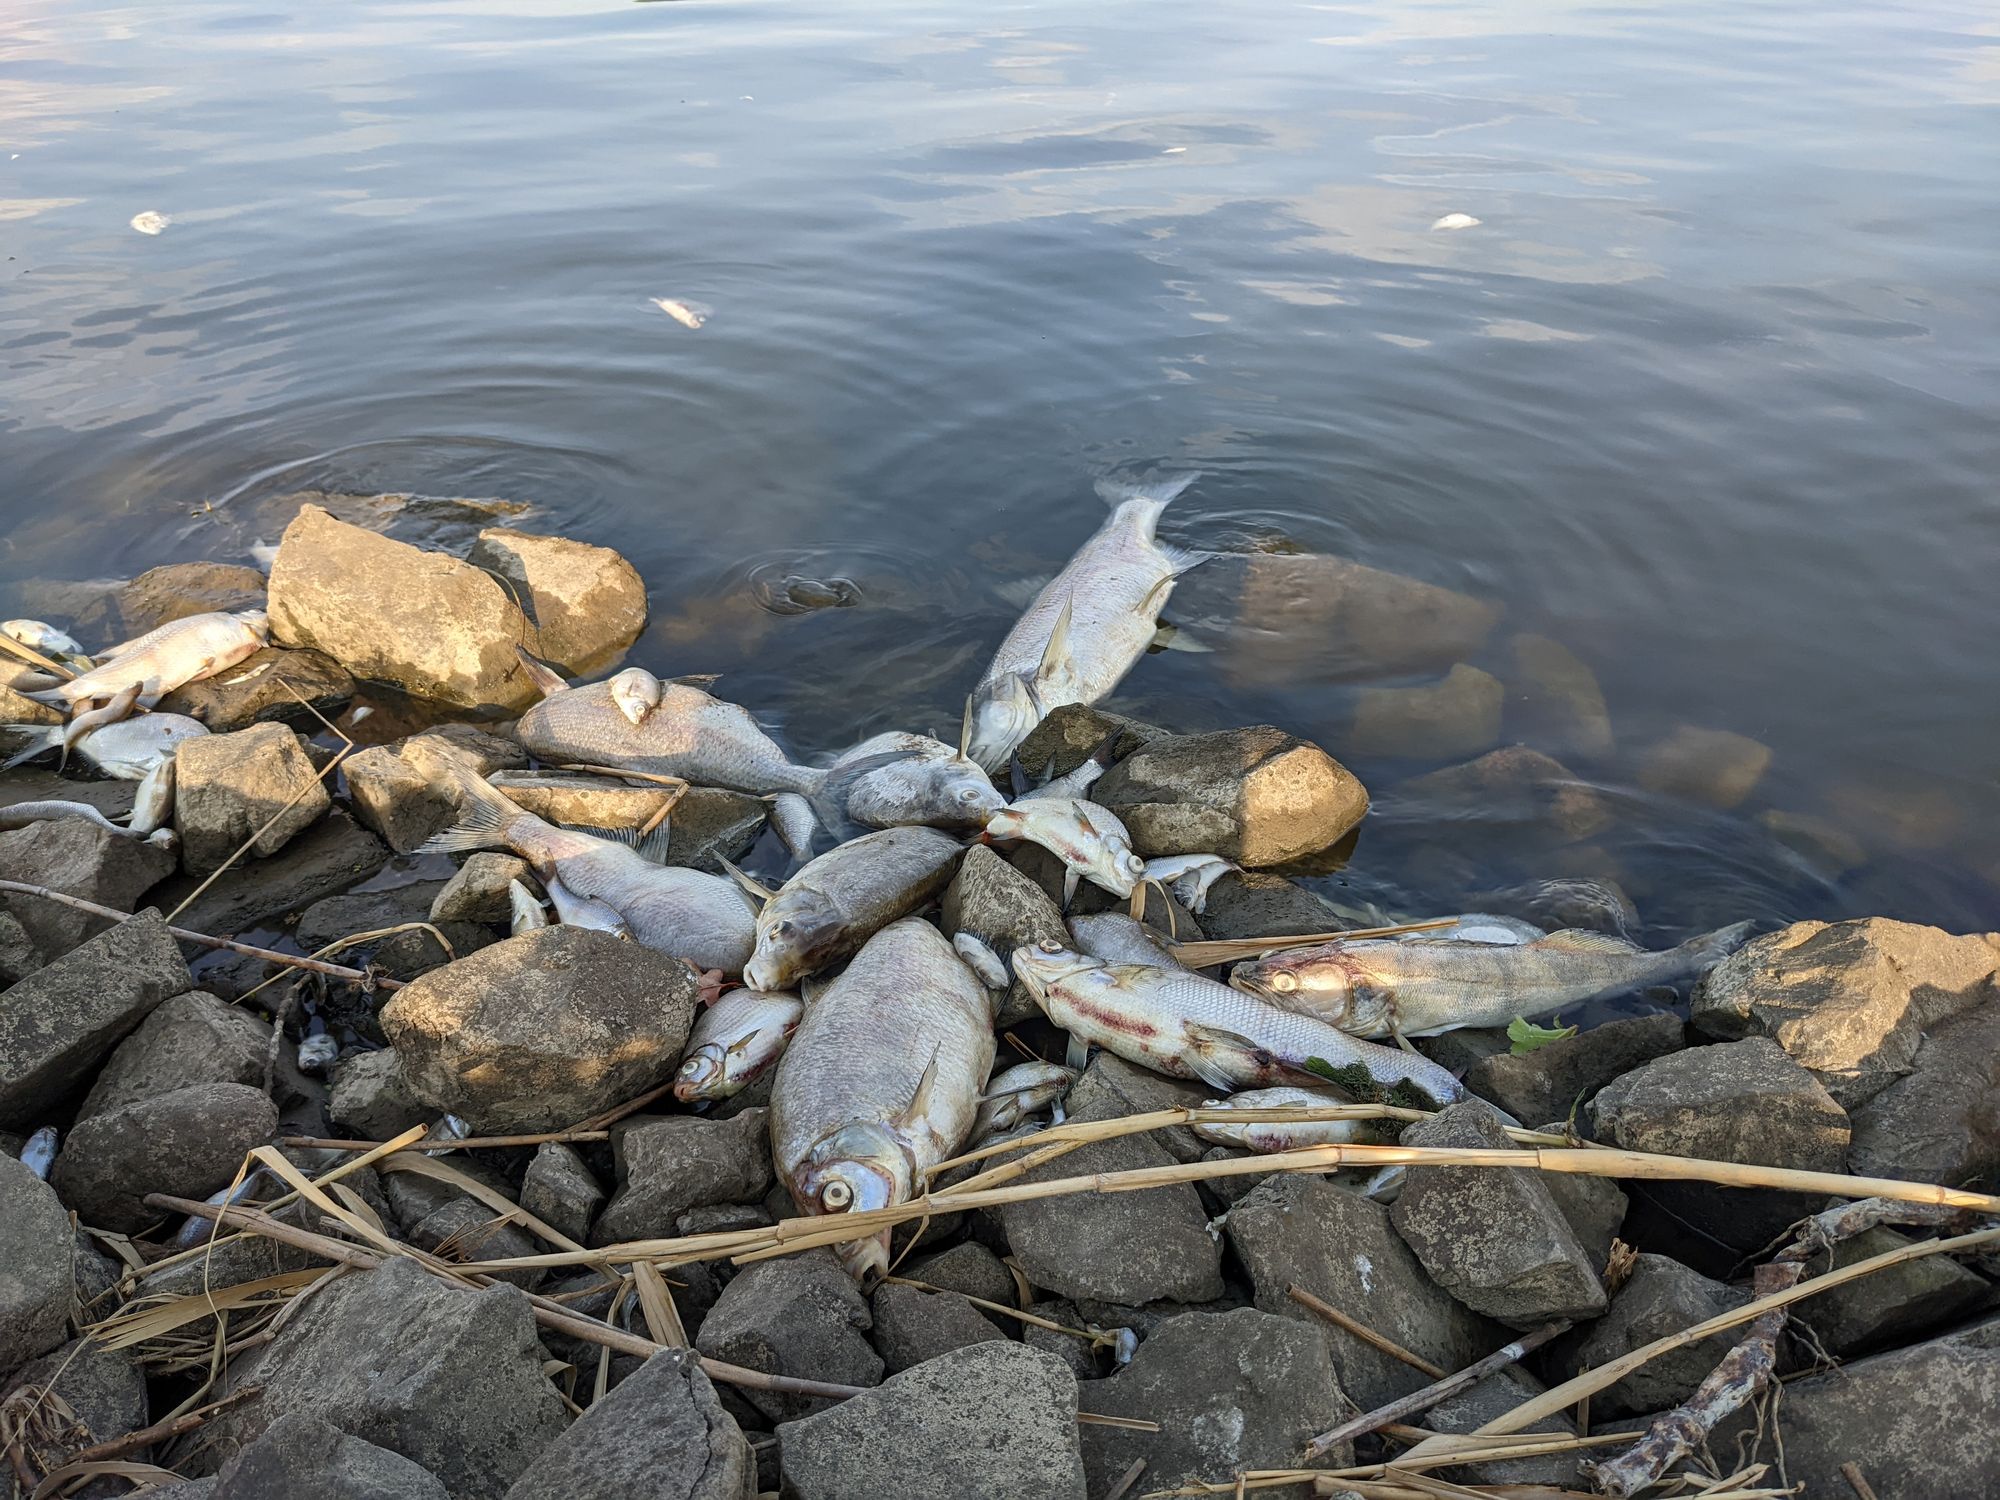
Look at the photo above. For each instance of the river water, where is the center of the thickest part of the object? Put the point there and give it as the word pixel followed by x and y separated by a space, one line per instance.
pixel 1707 395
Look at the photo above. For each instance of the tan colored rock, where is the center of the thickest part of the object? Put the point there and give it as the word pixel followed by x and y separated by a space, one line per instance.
pixel 229 787
pixel 1309 617
pixel 430 624
pixel 1456 716
pixel 1554 699
pixel 1716 767
pixel 588 603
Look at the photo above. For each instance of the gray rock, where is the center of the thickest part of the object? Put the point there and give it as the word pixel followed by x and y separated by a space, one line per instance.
pixel 1004 909
pixel 230 787
pixel 186 1143
pixel 1741 1102
pixel 672 1163
pixel 996 1421
pixel 969 1268
pixel 1072 734
pixel 1254 904
pixel 799 1315
pixel 60 1022
pixel 267 688
pixel 912 1326
pixel 1894 1305
pixel 1553 699
pixel 558 1189
pixel 401 790
pixel 1552 1081
pixel 1231 1391
pixel 191 1038
pixel 1660 1297
pixel 170 592
pixel 37 1266
pixel 434 626
pixel 1492 1397
pixel 1308 617
pixel 1511 786
pixel 1850 1001
pixel 1456 716
pixel 588 603
pixel 1258 796
pixel 332 855
pixel 1938 1123
pixel 478 892
pixel 104 1387
pixel 1334 1243
pixel 302 1458
pixel 1715 767
pixel 448 1377
pixel 372 1099
pixel 78 859
pixel 542 1030
pixel 1494 1240
pixel 661 1435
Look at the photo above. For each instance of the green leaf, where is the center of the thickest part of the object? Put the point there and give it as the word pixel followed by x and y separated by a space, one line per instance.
pixel 1527 1036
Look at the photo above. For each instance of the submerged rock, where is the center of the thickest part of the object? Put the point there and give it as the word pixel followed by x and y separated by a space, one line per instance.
pixel 189 1039
pixel 37 1266
pixel 78 859
pixel 1458 715
pixel 1258 796
pixel 1715 767
pixel 542 1030
pixel 230 787
pixel 186 1143
pixel 800 1315
pixel 1554 699
pixel 588 603
pixel 303 1458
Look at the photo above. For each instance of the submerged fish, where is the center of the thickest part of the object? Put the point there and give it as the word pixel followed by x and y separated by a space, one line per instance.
pixel 897 779
pixel 1118 938
pixel 832 906
pixel 1187 877
pixel 180 651
pixel 1087 625
pixel 1267 1135
pixel 1186 1026
pixel 129 750
pixel 882 1080
pixel 702 918
pixel 735 1042
pixel 1012 1097
pixel 21 814
pixel 1088 839
pixel 1377 987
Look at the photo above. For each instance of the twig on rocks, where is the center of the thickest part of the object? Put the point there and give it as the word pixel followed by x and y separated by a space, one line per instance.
pixel 1366 1334
pixel 1431 1395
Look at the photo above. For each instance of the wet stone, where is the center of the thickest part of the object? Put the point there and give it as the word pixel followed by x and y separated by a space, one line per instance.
pixel 670 1164
pixel 559 1190
pixel 186 1143
pixel 801 1315
pixel 1457 716
pixel 191 1038
pixel 254 786
pixel 912 1326
pixel 78 859
pixel 1551 1081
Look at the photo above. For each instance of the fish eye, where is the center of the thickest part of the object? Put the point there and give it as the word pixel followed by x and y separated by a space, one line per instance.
pixel 835 1197
pixel 1284 983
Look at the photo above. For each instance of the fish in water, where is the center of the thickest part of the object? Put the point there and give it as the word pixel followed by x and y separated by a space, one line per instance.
pixel 129 750
pixel 1269 1135
pixel 1119 938
pixel 178 652
pixel 833 905
pixel 1181 1024
pixel 1187 877
pixel 1025 1090
pixel 1086 627
pixel 690 914
pixel 735 1042
pixel 881 1081
pixel 896 779
pixel 1378 987
pixel 21 814
pixel 1087 838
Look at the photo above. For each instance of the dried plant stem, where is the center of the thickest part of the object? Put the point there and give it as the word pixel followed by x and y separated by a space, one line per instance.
pixel 1363 1332
pixel 1431 1395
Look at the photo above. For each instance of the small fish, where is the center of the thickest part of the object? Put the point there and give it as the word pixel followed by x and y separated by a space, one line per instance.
pixel 833 905
pixel 1188 876
pixel 1266 1136
pixel 21 814
pixel 1186 1026
pixel 1087 838
pixel 1118 938
pixel 38 1152
pixel 896 779
pixel 196 1230
pixel 129 750
pixel 151 221
pixel 181 651
pixel 1086 627
pixel 681 312
pixel 1378 988
pixel 636 692
pixel 525 911
pixel 1024 1090
pixel 42 637
pixel 735 1042
pixel 881 1080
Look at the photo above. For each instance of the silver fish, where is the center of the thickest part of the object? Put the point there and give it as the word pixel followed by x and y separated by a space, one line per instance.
pixel 637 693
pixel 1188 876
pixel 128 750
pixel 687 913
pixel 1121 939
pixel 525 912
pixel 1185 1026
pixel 896 779
pixel 735 1042
pixel 832 906
pixel 38 1152
pixel 1012 1097
pixel 21 814
pixel 1267 1136
pixel 178 652
pixel 1377 988
pixel 1087 625
pixel 882 1080
pixel 1087 838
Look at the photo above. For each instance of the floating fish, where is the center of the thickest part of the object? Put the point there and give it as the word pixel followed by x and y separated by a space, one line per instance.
pixel 881 1081
pixel 130 750
pixel 178 652
pixel 1087 838
pixel 1268 1136
pixel 1181 1024
pixel 1378 988
pixel 735 1042
pixel 1086 627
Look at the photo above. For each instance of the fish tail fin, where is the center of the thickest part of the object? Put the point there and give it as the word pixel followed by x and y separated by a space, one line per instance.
pixel 37 740
pixel 485 816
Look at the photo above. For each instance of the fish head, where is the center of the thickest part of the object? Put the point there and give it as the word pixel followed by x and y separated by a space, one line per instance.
pixel 703 1074
pixel 1003 711
pixel 637 693
pixel 795 928
pixel 1049 963
pixel 854 1169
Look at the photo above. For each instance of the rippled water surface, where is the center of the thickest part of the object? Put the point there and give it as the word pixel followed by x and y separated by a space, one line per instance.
pixel 1708 394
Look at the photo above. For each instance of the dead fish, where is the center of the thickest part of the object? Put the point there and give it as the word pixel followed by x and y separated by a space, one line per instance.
pixel 198 1229
pixel 181 651
pixel 525 913
pixel 1118 938
pixel 881 1080
pixel 38 1152
pixel 21 814
pixel 690 914
pixel 897 779
pixel 1267 1136
pixel 1185 1026
pixel 1087 838
pixel 636 692
pixel 735 1042
pixel 1087 625
pixel 129 750
pixel 1187 877
pixel 833 905
pixel 1024 1090
pixel 1377 988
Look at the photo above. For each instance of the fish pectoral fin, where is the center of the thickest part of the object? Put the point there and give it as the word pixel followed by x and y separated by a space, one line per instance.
pixel 1573 940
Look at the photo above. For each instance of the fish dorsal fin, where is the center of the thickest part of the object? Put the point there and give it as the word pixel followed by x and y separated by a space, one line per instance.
pixel 1055 655
pixel 1575 940
pixel 547 680
pixel 750 885
pixel 920 1101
